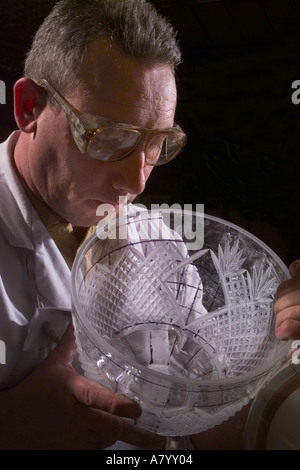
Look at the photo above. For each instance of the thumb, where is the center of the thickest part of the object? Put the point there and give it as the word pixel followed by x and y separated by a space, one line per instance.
pixel 66 348
pixel 294 268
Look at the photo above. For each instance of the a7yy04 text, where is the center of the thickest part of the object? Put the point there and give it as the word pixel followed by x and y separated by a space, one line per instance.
pixel 154 459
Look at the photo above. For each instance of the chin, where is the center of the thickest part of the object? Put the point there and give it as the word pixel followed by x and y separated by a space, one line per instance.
pixel 82 221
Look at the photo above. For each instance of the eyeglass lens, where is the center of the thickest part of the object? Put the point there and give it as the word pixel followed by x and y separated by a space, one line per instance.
pixel 112 144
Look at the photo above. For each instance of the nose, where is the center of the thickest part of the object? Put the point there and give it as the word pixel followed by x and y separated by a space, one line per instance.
pixel 131 174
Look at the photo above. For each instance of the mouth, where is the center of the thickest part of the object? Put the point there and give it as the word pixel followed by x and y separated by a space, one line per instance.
pixel 113 206
pixel 121 201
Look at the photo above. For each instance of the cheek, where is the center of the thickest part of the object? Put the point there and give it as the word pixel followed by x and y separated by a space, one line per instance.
pixel 88 176
pixel 59 134
pixel 147 171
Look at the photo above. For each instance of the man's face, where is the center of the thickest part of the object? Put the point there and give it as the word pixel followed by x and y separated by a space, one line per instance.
pixel 119 88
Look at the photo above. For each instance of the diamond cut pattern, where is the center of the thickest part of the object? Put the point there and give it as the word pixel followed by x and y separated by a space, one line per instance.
pixel 153 309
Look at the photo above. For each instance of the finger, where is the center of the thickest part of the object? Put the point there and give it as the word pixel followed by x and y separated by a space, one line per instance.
pixel 288 324
pixel 138 437
pixel 107 429
pixel 287 287
pixel 294 268
pixel 288 295
pixel 65 350
pixel 95 395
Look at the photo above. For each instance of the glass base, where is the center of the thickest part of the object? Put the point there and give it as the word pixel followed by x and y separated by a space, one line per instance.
pixel 179 443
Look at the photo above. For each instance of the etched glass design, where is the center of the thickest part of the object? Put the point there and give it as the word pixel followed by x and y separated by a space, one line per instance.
pixel 189 334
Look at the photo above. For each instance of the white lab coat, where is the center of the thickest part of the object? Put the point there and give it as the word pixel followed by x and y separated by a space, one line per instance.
pixel 34 279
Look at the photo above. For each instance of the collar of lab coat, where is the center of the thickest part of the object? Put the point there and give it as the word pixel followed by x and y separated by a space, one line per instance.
pixel 23 228
pixel 18 229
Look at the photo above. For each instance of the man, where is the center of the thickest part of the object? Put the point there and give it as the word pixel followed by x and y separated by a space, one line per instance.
pixel 112 61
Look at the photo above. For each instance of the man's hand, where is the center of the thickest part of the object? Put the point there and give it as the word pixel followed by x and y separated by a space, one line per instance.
pixel 56 408
pixel 287 306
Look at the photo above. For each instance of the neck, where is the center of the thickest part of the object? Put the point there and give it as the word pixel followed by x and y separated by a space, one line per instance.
pixel 80 233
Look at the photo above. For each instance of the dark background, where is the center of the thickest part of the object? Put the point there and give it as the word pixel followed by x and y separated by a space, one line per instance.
pixel 242 160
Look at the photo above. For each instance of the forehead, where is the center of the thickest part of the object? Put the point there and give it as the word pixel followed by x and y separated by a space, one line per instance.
pixel 113 84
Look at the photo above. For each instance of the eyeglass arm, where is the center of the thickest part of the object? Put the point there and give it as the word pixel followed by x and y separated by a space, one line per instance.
pixel 65 106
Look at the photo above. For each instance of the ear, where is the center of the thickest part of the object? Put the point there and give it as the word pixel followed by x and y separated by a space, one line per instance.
pixel 29 101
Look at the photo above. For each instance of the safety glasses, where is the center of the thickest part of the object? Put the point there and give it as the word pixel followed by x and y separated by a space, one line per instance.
pixel 106 140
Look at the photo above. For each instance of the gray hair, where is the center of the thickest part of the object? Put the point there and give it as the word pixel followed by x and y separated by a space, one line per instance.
pixel 135 26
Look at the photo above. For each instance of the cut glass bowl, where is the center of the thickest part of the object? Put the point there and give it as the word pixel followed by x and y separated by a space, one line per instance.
pixel 185 328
